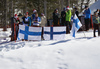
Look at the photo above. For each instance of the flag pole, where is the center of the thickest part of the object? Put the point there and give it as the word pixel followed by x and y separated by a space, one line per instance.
pixel 84 33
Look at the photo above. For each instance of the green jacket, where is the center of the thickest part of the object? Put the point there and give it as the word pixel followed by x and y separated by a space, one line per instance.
pixel 68 15
pixel 96 20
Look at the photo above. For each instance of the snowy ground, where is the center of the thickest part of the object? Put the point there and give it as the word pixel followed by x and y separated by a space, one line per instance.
pixel 80 53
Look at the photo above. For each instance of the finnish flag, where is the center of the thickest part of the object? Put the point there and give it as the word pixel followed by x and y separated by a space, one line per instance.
pixel 76 25
pixel 54 33
pixel 29 33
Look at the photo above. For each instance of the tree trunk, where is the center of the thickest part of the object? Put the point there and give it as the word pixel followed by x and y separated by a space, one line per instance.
pixel 87 2
pixel 12 13
pixel 45 8
pixel 5 16
pixel 26 6
pixel 62 4
pixel 68 2
pixel 95 0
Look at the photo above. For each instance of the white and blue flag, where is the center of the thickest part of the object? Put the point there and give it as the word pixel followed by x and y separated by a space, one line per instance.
pixel 29 33
pixel 76 25
pixel 54 33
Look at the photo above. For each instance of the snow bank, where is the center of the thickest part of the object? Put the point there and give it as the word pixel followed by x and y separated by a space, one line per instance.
pixel 79 53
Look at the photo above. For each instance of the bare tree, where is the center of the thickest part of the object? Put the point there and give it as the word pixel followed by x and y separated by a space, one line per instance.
pixel 5 16
pixel 45 8
pixel 68 2
pixel 62 4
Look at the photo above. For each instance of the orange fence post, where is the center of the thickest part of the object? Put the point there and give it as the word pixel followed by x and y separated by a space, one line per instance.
pixel 91 22
pixel 14 32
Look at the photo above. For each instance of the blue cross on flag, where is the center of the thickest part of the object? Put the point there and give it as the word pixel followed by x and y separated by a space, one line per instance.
pixel 76 25
pixel 54 33
pixel 29 33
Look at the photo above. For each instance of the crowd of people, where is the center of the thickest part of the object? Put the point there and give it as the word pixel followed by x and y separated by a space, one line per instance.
pixel 27 20
pixel 65 16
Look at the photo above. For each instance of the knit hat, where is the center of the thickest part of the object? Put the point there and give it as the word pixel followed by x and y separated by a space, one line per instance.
pixel 86 6
pixel 34 11
pixel 64 8
pixel 16 16
pixel 67 7
pixel 27 13
pixel 42 14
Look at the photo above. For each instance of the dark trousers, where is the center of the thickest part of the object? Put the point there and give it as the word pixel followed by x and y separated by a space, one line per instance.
pixel 63 21
pixel 96 27
pixel 55 24
pixel 87 24
pixel 68 26
pixel 42 34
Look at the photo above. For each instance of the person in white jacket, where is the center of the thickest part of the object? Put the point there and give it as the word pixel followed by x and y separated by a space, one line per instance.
pixel 43 20
pixel 43 24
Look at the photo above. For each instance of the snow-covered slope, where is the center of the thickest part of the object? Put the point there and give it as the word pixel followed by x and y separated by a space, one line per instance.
pixel 80 53
pixel 4 36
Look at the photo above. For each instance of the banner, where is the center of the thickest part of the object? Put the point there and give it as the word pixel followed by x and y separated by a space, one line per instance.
pixel 29 33
pixel 54 33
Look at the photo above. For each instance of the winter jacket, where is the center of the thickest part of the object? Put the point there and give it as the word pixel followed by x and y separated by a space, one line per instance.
pixel 77 13
pixel 56 17
pixel 26 20
pixel 63 14
pixel 87 13
pixel 37 21
pixel 43 21
pixel 96 20
pixel 33 16
pixel 68 15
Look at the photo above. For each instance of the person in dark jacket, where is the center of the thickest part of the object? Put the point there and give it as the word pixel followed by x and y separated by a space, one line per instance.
pixel 76 11
pixel 26 20
pixel 97 12
pixel 17 22
pixel 63 17
pixel 14 26
pixel 56 17
pixel 96 24
pixel 87 14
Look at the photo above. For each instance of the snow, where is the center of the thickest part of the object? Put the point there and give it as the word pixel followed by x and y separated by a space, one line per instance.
pixel 83 52
pixel 4 36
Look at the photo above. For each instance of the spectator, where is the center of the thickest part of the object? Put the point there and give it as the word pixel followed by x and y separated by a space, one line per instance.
pixel 76 11
pixel 36 20
pixel 15 26
pixel 17 22
pixel 96 23
pixel 68 19
pixel 63 15
pixel 26 20
pixel 43 20
pixel 56 17
pixel 33 15
pixel 20 18
pixel 43 24
pixel 87 14
pixel 99 13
